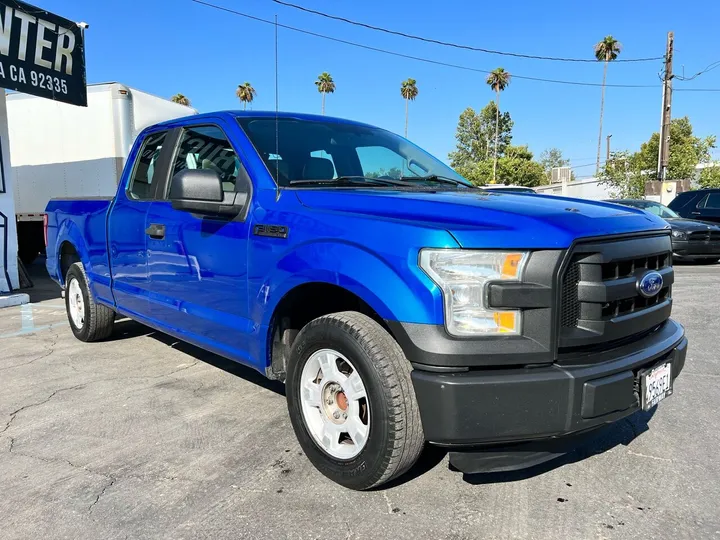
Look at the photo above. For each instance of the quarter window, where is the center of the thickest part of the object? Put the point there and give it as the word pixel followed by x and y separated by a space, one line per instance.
pixel 141 183
pixel 207 147
pixel 711 202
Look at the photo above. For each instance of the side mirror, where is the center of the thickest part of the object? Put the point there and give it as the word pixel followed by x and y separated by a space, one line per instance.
pixel 200 191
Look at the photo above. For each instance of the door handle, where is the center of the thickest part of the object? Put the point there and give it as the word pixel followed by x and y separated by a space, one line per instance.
pixel 695 213
pixel 156 230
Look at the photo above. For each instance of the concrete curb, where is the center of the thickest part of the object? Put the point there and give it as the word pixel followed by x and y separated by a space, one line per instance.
pixel 9 300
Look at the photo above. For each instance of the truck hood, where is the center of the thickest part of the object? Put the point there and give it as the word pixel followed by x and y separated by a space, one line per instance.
pixel 479 219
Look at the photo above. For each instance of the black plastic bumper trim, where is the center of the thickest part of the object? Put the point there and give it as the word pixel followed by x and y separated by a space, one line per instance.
pixel 518 404
pixel 519 295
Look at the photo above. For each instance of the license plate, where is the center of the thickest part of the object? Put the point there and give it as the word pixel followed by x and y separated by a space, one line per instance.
pixel 655 385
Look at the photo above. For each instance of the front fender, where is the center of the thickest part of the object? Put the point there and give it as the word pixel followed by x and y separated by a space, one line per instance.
pixel 393 286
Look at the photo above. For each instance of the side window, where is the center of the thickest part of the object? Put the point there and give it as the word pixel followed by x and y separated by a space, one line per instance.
pixel 207 147
pixel 711 202
pixel 141 185
pixel 379 161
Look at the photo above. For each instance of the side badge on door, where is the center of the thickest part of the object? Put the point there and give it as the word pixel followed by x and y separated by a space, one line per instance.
pixel 273 231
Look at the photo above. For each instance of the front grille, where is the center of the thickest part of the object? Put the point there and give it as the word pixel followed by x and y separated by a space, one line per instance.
pixel 570 306
pixel 600 302
pixel 704 236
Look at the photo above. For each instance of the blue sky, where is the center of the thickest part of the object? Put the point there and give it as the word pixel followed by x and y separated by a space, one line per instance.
pixel 169 46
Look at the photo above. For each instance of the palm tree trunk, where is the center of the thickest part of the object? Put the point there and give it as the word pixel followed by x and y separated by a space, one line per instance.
pixel 497 133
pixel 244 105
pixel 323 103
pixel 406 116
pixel 602 106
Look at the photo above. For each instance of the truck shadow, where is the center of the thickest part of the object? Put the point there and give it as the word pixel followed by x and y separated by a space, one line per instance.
pixel 622 432
pixel 126 329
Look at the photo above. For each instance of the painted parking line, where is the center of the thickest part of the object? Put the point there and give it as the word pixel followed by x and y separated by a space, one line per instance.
pixel 27 320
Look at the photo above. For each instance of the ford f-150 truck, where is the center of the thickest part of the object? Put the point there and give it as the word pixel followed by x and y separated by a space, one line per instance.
pixel 399 304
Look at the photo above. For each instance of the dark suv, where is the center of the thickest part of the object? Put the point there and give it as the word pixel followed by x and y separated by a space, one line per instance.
pixel 703 204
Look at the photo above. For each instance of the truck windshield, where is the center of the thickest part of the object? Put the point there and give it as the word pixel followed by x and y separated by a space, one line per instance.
pixel 305 153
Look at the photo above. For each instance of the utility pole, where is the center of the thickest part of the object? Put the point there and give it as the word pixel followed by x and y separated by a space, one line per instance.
pixel 607 153
pixel 664 151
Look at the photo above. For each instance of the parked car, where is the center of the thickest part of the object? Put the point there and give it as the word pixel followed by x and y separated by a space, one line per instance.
pixel 396 311
pixel 701 204
pixel 691 239
pixel 513 189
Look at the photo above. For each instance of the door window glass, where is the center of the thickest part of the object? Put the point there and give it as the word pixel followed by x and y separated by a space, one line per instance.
pixel 207 147
pixel 141 183
pixel 712 201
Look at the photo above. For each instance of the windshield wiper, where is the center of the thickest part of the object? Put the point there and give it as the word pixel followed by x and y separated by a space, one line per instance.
pixel 438 178
pixel 367 180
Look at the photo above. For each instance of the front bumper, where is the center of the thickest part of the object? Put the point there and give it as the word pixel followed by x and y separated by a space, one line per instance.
pixel 685 249
pixel 498 405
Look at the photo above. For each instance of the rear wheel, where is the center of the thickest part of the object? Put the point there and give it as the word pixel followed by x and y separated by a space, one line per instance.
pixel 351 401
pixel 89 321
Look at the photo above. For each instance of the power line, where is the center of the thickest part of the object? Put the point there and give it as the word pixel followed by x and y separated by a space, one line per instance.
pixel 455 45
pixel 410 57
pixel 708 68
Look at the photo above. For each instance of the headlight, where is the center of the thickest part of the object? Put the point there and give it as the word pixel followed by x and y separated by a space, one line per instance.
pixel 463 275
pixel 680 235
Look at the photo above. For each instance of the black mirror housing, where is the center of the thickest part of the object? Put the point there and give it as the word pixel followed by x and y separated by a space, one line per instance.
pixel 200 191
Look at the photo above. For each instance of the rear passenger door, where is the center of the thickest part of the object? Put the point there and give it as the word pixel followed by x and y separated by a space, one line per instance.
pixel 126 223
pixel 708 209
pixel 198 265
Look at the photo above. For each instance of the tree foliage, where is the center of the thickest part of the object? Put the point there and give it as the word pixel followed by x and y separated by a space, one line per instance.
pixel 473 157
pixel 550 159
pixel 626 173
pixel 245 93
pixel 515 168
pixel 475 135
pixel 409 89
pixel 180 99
pixel 623 174
pixel 686 151
pixel 710 177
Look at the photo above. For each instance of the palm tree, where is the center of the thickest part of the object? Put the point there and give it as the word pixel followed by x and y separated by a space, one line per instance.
pixel 180 99
pixel 409 91
pixel 245 93
pixel 606 51
pixel 325 85
pixel 498 79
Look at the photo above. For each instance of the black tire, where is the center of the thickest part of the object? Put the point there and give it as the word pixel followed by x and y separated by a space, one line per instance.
pixel 98 319
pixel 708 261
pixel 395 438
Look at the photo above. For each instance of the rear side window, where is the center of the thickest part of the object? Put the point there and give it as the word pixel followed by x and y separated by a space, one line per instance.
pixel 683 199
pixel 207 147
pixel 141 182
pixel 711 201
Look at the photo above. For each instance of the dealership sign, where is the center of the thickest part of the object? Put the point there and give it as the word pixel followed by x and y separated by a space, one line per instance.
pixel 41 54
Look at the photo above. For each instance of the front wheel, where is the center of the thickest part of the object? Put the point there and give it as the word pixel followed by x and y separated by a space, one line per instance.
pixel 351 401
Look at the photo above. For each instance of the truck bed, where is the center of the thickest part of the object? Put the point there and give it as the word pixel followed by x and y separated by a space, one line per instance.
pixel 84 221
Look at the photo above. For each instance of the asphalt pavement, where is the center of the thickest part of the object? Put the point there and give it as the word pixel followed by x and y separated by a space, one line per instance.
pixel 142 436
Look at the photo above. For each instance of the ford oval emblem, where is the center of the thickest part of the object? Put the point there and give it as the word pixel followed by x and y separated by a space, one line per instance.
pixel 650 284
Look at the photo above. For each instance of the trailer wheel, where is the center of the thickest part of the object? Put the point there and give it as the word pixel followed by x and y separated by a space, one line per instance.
pixel 351 401
pixel 89 321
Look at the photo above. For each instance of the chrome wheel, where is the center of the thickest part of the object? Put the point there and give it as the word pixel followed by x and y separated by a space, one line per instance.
pixel 76 304
pixel 334 404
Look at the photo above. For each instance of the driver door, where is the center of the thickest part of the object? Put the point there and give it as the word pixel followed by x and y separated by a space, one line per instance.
pixel 197 265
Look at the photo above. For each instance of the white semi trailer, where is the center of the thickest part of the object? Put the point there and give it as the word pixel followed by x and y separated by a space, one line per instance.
pixel 60 150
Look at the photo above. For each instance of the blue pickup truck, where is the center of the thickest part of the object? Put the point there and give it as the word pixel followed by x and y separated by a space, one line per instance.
pixel 399 304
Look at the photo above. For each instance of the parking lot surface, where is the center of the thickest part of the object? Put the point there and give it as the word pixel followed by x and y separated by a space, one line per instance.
pixel 143 436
